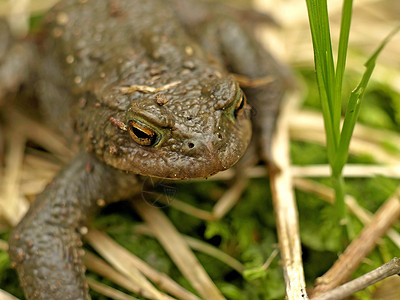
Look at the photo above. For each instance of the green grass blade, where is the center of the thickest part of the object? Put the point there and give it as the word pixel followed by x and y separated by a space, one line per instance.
pixel 319 25
pixel 330 140
pixel 324 47
pixel 354 108
pixel 328 61
pixel 341 60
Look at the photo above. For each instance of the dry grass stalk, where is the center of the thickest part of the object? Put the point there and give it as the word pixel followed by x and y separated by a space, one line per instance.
pixel 44 136
pixel 3 245
pixel 202 247
pixel 126 259
pixel 312 120
pixel 178 250
pixel 99 266
pixel 220 209
pixel 366 218
pixel 389 269
pixel 308 126
pixel 293 42
pixel 34 186
pixel 350 170
pixel 21 128
pixel 6 296
pixel 120 258
pixel 388 289
pixel 286 210
pixel 230 197
pixel 358 147
pixel 360 247
pixel 327 194
pixel 19 17
pixel 212 251
pixel 268 262
pixel 38 170
pixel 34 7
pixel 109 291
pixel 187 208
pixel 42 161
pixel 12 205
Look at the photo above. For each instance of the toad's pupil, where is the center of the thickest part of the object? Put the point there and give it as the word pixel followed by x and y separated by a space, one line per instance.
pixel 141 134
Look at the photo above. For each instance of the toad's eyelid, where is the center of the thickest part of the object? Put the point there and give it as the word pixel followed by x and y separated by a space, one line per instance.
pixel 241 101
pixel 236 98
pixel 161 119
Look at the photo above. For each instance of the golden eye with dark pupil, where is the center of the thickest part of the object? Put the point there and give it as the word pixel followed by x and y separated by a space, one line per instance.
pixel 240 104
pixel 142 134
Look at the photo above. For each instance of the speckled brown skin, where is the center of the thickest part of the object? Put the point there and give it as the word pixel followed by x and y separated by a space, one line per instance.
pixel 45 246
pixel 139 43
pixel 93 50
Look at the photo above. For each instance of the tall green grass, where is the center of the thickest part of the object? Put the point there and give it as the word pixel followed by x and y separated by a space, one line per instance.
pixel 330 79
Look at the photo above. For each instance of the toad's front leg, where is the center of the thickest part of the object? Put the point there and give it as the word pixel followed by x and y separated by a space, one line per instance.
pixel 45 246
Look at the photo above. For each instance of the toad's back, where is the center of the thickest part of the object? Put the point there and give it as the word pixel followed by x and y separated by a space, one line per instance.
pixel 104 38
pixel 185 117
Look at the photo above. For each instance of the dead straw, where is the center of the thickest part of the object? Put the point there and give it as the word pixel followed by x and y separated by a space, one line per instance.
pixel 389 269
pixel 285 207
pixel 108 291
pixel 178 250
pixel 122 262
pixel 360 247
pixel 99 266
pixel 202 247
pixel 126 260
pixel 6 296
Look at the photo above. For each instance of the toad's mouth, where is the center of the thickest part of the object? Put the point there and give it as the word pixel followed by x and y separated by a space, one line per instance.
pixel 184 167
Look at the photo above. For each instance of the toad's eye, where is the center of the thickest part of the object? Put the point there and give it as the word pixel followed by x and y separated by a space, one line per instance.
pixel 241 102
pixel 142 134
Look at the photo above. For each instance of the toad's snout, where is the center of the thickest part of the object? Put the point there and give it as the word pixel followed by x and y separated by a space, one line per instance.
pixel 213 160
pixel 200 147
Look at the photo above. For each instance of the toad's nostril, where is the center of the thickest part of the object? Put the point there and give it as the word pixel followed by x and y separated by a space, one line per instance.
pixel 197 147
